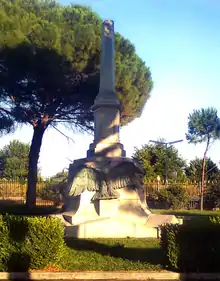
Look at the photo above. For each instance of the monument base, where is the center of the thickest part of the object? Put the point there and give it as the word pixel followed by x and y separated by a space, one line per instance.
pixel 117 218
pixel 111 228
pixel 127 215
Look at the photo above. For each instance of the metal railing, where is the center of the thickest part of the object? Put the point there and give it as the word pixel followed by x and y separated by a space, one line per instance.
pixel 14 192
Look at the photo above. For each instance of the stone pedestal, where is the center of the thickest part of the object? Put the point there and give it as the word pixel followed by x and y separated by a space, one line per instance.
pixel 90 210
pixel 116 218
pixel 107 127
pixel 108 208
pixel 106 149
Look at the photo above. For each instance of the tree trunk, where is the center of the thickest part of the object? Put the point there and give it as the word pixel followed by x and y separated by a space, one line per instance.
pixel 203 177
pixel 33 162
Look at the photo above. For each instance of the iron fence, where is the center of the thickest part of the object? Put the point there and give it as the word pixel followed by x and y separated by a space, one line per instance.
pixel 14 192
pixel 192 189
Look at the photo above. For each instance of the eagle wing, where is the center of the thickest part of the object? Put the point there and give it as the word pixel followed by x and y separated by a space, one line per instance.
pixel 122 174
pixel 84 179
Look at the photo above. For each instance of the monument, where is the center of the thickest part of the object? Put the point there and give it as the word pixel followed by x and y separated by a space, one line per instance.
pixel 105 195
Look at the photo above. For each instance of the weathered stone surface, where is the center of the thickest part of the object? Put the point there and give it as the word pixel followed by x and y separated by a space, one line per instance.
pixel 104 175
pixel 157 220
pixel 106 106
pixel 105 195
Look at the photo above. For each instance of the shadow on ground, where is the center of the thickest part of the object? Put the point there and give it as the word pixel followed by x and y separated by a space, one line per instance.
pixel 12 207
pixel 187 214
pixel 18 261
pixel 149 255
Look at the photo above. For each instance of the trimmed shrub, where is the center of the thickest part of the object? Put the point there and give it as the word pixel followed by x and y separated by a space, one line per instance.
pixel 34 242
pixel 212 197
pixel 5 247
pixel 47 234
pixel 173 197
pixel 191 247
pixel 169 245
pixel 215 220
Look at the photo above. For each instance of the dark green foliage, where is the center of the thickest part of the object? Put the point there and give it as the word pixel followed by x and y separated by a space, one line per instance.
pixel 47 234
pixel 194 170
pixel 215 220
pixel 53 192
pixel 212 196
pixel 14 158
pixel 50 56
pixel 18 229
pixel 54 188
pixel 169 245
pixel 203 125
pixel 6 123
pixel 59 177
pixel 152 158
pixel 34 242
pixel 71 32
pixel 21 209
pixel 176 197
pixel 5 247
pixel 192 247
pixel 173 197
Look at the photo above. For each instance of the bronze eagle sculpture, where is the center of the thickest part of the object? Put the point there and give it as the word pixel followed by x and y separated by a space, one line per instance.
pixel 105 179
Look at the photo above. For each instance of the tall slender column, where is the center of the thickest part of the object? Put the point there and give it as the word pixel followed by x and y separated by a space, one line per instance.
pixel 106 106
pixel 107 67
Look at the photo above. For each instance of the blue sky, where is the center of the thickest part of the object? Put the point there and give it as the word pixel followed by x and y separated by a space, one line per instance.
pixel 180 42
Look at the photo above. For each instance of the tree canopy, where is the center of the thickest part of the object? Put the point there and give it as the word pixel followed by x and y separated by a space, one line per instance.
pixel 153 157
pixel 50 57
pixel 59 177
pixel 73 32
pixel 194 170
pixel 203 127
pixel 14 160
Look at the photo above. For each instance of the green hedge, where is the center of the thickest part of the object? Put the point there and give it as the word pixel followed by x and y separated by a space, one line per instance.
pixel 192 248
pixel 5 247
pixel 173 197
pixel 30 242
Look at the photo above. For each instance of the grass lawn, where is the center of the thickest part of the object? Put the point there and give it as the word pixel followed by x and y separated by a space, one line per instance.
pixel 180 213
pixel 112 254
pixel 189 216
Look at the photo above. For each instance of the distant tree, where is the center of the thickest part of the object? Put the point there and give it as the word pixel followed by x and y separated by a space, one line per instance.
pixel 59 177
pixel 50 55
pixel 194 170
pixel 203 127
pixel 153 156
pixel 54 188
pixel 14 160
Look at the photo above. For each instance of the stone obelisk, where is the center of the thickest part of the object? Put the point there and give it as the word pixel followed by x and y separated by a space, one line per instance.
pixel 105 196
pixel 106 106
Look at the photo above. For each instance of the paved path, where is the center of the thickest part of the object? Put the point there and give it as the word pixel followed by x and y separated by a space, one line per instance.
pixel 108 275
